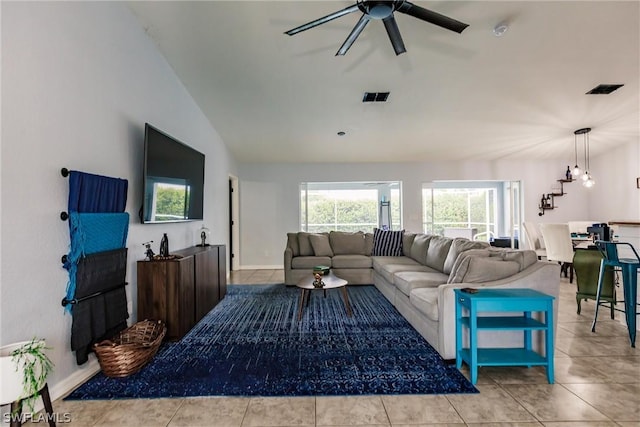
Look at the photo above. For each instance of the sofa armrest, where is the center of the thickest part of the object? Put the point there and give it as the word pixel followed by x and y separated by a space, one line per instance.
pixel 288 257
pixel 542 276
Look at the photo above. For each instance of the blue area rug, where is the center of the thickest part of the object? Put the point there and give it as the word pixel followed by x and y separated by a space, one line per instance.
pixel 251 344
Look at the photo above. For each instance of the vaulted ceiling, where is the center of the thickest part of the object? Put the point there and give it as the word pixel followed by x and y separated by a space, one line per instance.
pixel 279 98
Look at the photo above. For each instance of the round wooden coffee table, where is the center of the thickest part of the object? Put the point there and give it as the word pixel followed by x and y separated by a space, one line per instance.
pixel 331 281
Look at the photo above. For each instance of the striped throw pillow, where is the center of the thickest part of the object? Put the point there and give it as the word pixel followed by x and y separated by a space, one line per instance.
pixel 387 242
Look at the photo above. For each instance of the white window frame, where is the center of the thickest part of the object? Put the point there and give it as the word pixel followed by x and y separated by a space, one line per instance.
pixel 385 191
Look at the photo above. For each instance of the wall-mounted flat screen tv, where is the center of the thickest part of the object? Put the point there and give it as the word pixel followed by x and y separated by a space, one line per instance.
pixel 173 179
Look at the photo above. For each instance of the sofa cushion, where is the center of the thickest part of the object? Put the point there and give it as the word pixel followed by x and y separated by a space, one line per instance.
pixel 478 269
pixel 419 248
pixel 368 243
pixel 387 242
pixel 406 281
pixel 437 252
pixel 389 271
pixel 344 243
pixel 292 242
pixel 380 261
pixel 470 252
pixel 302 262
pixel 304 244
pixel 320 244
pixel 459 245
pixel 524 257
pixel 407 242
pixel 425 300
pixel 351 261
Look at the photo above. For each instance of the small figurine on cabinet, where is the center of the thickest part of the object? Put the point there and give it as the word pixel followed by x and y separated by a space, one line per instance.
pixel 204 235
pixel 164 246
pixel 149 252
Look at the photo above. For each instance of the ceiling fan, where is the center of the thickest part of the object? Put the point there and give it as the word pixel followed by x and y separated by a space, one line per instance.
pixel 383 10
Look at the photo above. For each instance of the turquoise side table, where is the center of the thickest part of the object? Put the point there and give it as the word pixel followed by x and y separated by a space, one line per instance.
pixel 526 301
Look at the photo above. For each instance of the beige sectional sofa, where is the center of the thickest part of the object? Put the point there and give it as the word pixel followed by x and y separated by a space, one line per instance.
pixel 348 255
pixel 420 281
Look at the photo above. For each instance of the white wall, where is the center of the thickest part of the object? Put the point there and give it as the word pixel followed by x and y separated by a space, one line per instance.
pixel 79 80
pixel 269 205
pixel 615 195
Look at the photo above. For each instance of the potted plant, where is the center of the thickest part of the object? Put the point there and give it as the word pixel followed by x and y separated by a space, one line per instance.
pixel 24 368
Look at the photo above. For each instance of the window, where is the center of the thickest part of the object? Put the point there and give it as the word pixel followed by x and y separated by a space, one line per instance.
pixel 169 200
pixel 349 206
pixel 492 208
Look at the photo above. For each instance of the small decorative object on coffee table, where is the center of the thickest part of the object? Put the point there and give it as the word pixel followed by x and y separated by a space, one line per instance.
pixel 330 281
pixel 322 270
pixel 317 282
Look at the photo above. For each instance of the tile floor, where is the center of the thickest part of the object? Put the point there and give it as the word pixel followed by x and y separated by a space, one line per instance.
pixel 597 384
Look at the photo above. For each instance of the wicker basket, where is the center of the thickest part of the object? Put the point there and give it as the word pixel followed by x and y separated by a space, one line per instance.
pixel 131 349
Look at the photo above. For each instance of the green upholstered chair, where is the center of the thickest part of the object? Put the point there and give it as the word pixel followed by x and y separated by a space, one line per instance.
pixel 586 263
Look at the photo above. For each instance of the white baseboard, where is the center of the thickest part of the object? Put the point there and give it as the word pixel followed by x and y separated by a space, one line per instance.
pixel 261 267
pixel 74 380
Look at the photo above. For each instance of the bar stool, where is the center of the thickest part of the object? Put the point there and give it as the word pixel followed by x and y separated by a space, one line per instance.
pixel 629 267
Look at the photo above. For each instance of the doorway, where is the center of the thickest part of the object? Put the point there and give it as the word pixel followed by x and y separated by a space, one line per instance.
pixel 234 222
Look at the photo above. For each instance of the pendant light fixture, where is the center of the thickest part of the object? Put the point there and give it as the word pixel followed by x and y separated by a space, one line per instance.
pixel 576 168
pixel 587 180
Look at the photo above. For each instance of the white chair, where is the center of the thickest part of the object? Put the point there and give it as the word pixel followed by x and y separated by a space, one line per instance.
pixel 485 236
pixel 467 233
pixel 557 241
pixel 534 239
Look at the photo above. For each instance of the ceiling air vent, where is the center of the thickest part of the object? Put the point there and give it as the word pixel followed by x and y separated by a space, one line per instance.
pixel 603 89
pixel 375 97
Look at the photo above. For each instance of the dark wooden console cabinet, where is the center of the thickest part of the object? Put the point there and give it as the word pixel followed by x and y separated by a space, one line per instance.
pixel 182 291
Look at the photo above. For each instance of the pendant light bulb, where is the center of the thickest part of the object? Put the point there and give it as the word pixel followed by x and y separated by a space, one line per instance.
pixel 576 168
pixel 589 182
pixel 585 177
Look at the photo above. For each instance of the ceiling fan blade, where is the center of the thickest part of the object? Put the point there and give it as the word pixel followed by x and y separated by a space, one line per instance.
pixel 394 34
pixel 432 17
pixel 364 20
pixel 323 20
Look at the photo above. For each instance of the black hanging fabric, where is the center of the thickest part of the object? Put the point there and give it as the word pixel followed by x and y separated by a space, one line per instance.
pixel 101 316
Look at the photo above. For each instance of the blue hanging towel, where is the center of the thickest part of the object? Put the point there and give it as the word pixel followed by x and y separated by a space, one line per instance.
pixel 96 193
pixel 92 233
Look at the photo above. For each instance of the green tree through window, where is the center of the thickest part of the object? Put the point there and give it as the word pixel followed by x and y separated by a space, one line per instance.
pixel 171 202
pixel 345 206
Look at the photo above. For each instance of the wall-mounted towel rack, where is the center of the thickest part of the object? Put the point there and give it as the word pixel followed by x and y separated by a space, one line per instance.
pixel 66 301
pixel 97 259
